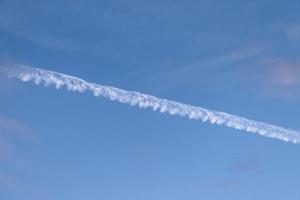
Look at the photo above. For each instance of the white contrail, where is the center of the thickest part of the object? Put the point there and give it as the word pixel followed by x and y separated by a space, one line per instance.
pixel 46 77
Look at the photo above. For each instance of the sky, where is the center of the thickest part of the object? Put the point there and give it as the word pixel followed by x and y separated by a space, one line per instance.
pixel 240 57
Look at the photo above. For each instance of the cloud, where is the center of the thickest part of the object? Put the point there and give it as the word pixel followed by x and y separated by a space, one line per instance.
pixel 285 74
pixel 17 29
pixel 262 68
pixel 219 66
pixel 64 44
pixel 272 76
pixel 40 76
pixel 265 68
pixel 244 52
pixel 282 78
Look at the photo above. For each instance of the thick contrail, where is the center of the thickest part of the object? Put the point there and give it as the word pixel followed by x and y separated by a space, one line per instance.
pixel 46 77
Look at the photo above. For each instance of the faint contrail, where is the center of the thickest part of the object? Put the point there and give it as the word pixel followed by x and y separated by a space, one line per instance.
pixel 46 77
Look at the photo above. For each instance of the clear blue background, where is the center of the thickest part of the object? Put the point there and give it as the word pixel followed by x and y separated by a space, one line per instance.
pixel 240 57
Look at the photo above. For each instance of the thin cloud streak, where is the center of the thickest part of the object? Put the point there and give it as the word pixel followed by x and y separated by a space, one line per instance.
pixel 46 77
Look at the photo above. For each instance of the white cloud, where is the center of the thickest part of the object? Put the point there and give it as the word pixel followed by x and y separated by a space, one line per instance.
pixel 40 76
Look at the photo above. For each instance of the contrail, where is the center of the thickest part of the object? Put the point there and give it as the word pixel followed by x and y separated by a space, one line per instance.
pixel 41 76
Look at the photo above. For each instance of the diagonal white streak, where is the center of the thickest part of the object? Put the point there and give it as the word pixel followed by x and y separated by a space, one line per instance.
pixel 46 77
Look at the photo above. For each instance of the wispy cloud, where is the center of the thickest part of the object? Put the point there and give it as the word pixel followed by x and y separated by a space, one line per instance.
pixel 210 67
pixel 44 39
pixel 244 52
pixel 260 68
pixel 285 74
pixel 272 76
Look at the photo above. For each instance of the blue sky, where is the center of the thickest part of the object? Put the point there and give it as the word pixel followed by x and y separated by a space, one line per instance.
pixel 234 56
